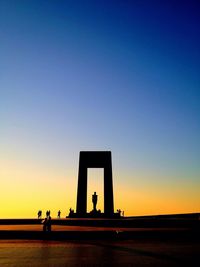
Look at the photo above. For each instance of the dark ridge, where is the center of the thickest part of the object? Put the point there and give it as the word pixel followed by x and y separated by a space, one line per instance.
pixel 159 221
pixel 162 234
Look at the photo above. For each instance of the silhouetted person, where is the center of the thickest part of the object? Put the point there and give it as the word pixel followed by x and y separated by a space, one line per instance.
pixel 59 212
pixel 39 214
pixel 71 212
pixel 94 201
pixel 49 224
pixel 123 213
pixel 48 213
pixel 119 212
pixel 44 225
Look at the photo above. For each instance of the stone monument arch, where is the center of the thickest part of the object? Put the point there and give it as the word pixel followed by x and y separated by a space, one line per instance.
pixel 95 159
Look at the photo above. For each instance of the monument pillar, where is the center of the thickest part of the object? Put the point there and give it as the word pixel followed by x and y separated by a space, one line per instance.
pixel 108 191
pixel 95 159
pixel 82 190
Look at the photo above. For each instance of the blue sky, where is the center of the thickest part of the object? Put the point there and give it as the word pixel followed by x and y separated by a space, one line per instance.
pixel 102 75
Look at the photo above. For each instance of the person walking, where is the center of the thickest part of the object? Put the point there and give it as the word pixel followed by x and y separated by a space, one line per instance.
pixel 44 225
pixel 39 214
pixel 59 212
pixel 49 224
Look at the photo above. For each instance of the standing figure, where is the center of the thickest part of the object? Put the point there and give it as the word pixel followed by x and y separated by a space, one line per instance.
pixel 39 214
pixel 59 212
pixel 71 212
pixel 44 225
pixel 120 212
pixel 49 224
pixel 94 201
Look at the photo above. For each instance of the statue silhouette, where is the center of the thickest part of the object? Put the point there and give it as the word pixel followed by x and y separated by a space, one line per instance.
pixel 94 201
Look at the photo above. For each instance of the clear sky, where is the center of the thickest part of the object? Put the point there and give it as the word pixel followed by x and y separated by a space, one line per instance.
pixel 99 75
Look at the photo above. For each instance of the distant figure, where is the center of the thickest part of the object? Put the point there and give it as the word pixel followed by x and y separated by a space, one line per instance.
pixel 39 214
pixel 94 201
pixel 48 213
pixel 119 212
pixel 49 224
pixel 123 213
pixel 44 225
pixel 59 212
pixel 71 212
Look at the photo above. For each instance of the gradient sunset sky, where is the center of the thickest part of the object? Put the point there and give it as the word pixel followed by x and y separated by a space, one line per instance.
pixel 99 75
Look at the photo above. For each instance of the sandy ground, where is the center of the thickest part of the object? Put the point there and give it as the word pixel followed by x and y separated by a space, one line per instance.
pixel 25 253
pixel 56 228
pixel 37 227
pixel 149 252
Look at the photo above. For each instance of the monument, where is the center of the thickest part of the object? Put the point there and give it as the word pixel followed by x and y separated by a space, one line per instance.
pixel 95 159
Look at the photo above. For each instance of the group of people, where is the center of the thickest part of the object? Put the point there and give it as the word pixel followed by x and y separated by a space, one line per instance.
pixel 47 221
pixel 120 212
pixel 47 214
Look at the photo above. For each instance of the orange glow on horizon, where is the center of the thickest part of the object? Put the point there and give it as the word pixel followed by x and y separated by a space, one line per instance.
pixel 25 190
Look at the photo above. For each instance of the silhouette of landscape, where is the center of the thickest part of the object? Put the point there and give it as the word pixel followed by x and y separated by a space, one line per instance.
pixel 133 239
pixel 163 240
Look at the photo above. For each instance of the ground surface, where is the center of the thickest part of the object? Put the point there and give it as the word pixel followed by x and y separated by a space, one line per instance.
pixel 74 242
pixel 26 253
pixel 39 227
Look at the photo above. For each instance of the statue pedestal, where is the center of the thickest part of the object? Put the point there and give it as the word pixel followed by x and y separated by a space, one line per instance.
pixel 94 215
